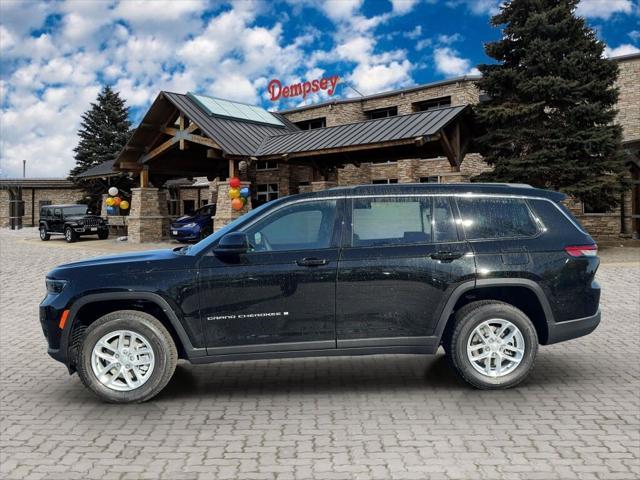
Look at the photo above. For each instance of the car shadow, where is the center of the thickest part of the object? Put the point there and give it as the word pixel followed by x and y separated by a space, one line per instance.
pixel 312 376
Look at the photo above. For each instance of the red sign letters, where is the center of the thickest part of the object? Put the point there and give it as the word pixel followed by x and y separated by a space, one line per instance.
pixel 276 90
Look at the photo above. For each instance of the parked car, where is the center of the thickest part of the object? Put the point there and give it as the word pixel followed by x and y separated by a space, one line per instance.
pixel 72 221
pixel 194 227
pixel 486 271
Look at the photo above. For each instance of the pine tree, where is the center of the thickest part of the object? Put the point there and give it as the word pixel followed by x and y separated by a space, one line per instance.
pixel 549 120
pixel 104 131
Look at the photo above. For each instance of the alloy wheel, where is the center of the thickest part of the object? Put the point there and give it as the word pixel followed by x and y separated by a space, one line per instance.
pixel 495 348
pixel 122 360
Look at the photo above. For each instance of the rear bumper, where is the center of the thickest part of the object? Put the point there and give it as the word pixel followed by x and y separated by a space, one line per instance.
pixel 559 332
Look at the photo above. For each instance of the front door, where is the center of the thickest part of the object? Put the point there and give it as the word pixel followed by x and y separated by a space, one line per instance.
pixel 402 259
pixel 281 294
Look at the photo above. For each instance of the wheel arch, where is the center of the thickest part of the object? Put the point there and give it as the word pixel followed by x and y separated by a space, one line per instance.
pixel 522 293
pixel 89 308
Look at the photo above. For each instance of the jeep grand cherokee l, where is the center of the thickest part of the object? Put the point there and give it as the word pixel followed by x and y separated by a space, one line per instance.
pixel 486 271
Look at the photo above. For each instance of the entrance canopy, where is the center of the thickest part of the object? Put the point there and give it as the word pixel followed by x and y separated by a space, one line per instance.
pixel 195 135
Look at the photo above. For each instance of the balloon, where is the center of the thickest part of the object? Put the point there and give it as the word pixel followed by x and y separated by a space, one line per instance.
pixel 234 182
pixel 113 191
pixel 244 192
pixel 124 205
pixel 237 204
pixel 109 201
pixel 116 201
pixel 244 200
pixel 234 193
pixel 111 210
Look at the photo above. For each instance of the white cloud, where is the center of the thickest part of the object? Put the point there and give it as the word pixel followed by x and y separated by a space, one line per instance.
pixel 402 7
pixel 340 10
pixel 449 62
pixel 620 50
pixel 478 7
pixel 634 35
pixel 603 9
pixel 377 78
pixel 414 34
pixel 449 39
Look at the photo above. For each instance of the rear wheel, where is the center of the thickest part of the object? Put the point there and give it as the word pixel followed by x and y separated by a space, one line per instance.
pixel 493 345
pixel 69 235
pixel 126 357
pixel 44 236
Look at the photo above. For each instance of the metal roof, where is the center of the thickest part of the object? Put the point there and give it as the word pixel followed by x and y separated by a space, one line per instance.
pixel 401 127
pixel 104 169
pixel 235 137
pixel 36 183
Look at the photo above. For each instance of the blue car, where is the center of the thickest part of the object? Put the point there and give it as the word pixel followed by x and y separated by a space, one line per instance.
pixel 195 227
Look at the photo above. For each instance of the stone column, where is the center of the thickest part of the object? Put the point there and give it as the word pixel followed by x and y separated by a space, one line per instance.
pixel 407 171
pixel 103 205
pixel 323 185
pixel 224 213
pixel 149 217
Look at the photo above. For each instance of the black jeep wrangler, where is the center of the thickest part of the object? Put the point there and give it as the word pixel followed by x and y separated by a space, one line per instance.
pixel 70 221
pixel 488 272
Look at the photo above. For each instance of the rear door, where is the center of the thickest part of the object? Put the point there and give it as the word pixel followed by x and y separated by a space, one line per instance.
pixel 401 259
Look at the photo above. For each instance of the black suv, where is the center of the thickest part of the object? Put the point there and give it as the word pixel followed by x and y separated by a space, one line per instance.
pixel 70 221
pixel 486 271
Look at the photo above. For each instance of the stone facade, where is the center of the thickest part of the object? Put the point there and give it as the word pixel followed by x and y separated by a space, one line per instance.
pixel 54 192
pixel 149 217
pixel 629 101
pixel 224 213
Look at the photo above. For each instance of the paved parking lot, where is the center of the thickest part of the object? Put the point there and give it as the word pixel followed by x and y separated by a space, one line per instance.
pixel 578 416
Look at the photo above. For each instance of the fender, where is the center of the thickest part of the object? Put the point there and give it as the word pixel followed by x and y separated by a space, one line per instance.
pixel 190 350
pixel 493 282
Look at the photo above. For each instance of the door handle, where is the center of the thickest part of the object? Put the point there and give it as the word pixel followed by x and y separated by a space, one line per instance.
pixel 446 256
pixel 312 262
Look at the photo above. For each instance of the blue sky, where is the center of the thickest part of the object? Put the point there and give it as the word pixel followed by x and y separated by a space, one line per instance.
pixel 55 55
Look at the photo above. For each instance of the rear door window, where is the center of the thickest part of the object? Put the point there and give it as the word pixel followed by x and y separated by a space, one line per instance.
pixel 486 218
pixel 401 221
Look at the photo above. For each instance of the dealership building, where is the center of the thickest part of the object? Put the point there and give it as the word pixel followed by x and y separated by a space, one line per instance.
pixel 188 145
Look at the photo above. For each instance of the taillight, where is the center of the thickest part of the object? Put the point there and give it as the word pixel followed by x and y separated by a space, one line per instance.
pixel 582 250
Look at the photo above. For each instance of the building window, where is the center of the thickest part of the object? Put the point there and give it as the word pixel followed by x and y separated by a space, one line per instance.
pixel 384 181
pixel 266 165
pixel 173 203
pixel 312 124
pixel 265 192
pixel 188 206
pixel 382 113
pixel 590 209
pixel 430 179
pixel 431 104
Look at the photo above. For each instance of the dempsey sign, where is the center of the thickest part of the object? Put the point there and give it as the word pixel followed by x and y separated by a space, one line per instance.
pixel 276 90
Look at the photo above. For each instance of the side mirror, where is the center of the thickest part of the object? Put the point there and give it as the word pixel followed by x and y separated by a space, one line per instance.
pixel 234 243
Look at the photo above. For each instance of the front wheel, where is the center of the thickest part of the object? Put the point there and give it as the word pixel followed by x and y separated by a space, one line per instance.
pixel 44 236
pixel 69 235
pixel 493 345
pixel 126 357
pixel 103 234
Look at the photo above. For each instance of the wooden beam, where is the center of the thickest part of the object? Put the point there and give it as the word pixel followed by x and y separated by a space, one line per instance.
pixel 181 125
pixel 135 166
pixel 159 149
pixel 202 141
pixel 448 149
pixel 144 177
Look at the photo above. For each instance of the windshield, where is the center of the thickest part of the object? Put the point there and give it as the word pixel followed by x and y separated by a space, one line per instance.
pixel 214 237
pixel 75 210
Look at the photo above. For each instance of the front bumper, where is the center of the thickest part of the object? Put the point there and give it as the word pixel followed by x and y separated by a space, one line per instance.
pixel 561 331
pixel 184 234
pixel 90 229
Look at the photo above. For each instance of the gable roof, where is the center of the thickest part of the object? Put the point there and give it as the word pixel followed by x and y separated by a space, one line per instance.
pixel 389 129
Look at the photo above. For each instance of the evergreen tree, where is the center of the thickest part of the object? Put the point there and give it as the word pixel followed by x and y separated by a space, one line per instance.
pixel 549 118
pixel 104 131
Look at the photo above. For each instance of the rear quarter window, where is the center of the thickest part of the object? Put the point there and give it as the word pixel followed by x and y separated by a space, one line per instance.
pixel 487 218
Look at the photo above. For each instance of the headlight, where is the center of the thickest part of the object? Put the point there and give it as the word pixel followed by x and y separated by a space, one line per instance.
pixel 190 225
pixel 55 286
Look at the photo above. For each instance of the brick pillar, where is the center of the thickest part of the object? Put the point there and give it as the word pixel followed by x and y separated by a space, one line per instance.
pixel 4 208
pixel 103 206
pixel 224 213
pixel 149 217
pixel 284 180
pixel 323 185
pixel 407 171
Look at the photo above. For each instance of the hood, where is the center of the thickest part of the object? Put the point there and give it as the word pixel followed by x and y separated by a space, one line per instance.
pixel 185 219
pixel 149 260
pixel 81 217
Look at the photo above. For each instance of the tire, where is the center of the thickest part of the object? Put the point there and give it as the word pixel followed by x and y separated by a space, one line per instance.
pixel 144 326
pixel 44 236
pixel 471 316
pixel 205 232
pixel 69 235
pixel 103 235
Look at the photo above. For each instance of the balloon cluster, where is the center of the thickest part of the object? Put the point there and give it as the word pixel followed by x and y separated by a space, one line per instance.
pixel 239 196
pixel 114 202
